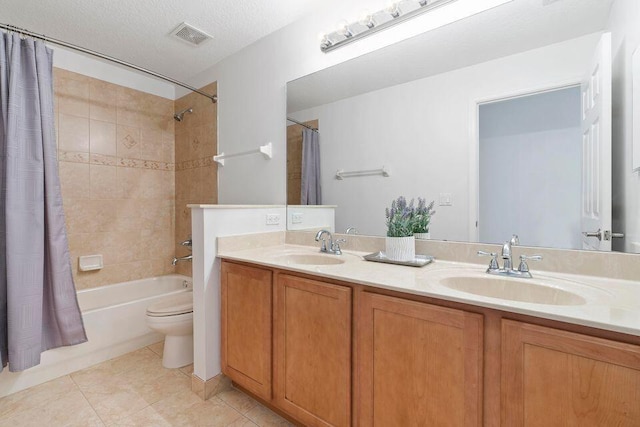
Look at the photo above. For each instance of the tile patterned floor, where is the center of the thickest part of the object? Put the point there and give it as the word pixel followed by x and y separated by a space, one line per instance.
pixel 131 390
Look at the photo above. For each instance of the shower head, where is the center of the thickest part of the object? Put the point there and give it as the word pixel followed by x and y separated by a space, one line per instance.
pixel 180 114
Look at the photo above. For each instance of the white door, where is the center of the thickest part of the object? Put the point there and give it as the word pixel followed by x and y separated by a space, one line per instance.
pixel 596 150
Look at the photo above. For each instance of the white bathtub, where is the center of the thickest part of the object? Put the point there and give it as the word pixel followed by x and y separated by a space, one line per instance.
pixel 115 322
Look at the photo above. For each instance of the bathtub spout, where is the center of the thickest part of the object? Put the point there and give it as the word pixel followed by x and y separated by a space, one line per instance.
pixel 182 258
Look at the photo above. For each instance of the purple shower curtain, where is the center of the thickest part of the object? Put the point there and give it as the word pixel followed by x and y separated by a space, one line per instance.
pixel 38 304
pixel 311 191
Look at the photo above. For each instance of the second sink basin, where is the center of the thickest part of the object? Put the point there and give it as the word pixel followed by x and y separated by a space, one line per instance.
pixel 311 259
pixel 514 290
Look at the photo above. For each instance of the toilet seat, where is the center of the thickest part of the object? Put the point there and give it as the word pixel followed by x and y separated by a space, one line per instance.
pixel 181 303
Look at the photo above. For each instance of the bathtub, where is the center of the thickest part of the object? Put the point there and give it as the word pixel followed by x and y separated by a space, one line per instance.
pixel 115 322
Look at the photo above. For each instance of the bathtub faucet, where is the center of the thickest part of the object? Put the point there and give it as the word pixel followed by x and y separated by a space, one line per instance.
pixel 182 258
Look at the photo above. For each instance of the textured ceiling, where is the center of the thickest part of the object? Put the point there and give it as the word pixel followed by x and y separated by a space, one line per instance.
pixel 138 31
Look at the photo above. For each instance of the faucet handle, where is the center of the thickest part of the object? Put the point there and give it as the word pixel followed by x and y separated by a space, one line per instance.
pixel 493 264
pixel 524 267
pixel 336 246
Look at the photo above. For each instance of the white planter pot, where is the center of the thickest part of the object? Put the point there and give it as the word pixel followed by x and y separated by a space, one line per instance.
pixel 401 248
pixel 422 236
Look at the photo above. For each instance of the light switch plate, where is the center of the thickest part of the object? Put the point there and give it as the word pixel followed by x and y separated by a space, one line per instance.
pixel 446 199
pixel 296 218
pixel 273 219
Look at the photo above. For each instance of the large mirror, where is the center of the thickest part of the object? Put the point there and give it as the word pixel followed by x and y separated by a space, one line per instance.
pixel 514 120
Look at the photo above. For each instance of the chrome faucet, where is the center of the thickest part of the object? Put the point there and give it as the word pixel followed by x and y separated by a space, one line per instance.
pixel 506 252
pixel 188 244
pixel 334 247
pixel 507 269
pixel 182 258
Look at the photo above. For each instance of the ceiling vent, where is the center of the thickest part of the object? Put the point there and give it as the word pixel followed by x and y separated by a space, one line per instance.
pixel 190 34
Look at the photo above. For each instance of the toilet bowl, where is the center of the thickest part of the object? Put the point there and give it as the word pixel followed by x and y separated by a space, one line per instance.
pixel 173 317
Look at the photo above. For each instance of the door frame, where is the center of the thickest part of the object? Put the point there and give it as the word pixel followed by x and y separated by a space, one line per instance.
pixel 474 141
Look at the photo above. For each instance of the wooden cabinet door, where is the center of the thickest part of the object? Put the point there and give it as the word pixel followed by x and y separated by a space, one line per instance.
pixel 557 378
pixel 418 364
pixel 313 351
pixel 246 327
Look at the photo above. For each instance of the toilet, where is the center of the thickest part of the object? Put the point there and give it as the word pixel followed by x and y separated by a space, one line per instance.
pixel 173 317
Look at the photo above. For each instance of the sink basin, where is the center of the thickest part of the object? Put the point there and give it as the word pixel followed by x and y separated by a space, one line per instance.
pixel 514 290
pixel 311 259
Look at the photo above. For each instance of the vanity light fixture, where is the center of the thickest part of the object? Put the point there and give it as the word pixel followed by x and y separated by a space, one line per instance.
pixel 396 13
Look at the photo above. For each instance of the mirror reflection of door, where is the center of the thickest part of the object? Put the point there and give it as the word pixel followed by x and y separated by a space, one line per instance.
pixel 530 170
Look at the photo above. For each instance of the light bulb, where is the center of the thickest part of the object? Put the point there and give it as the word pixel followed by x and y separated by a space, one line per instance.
pixel 343 29
pixel 367 20
pixel 325 42
pixel 393 10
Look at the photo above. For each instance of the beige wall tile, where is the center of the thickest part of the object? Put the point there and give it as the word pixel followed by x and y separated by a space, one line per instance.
pixel 129 217
pixel 102 137
pixel 168 147
pixel 128 142
pixel 128 107
pixel 151 144
pixel 103 97
pixel 124 210
pixel 73 96
pixel 104 184
pixel 74 133
pixel 210 148
pixel 74 180
pixel 77 214
pixel 103 215
pixel 209 182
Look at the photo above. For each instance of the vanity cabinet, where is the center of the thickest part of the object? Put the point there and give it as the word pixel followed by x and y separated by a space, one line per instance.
pixel 330 353
pixel 246 297
pixel 418 364
pixel 554 377
pixel 312 370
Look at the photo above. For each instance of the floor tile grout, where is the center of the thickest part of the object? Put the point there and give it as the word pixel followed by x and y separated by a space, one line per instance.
pixel 134 403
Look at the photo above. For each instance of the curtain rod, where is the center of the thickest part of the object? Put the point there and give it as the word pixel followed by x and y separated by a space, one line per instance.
pixel 28 33
pixel 302 124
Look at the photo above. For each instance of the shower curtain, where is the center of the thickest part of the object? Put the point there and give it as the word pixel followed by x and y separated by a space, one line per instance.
pixel 38 304
pixel 311 193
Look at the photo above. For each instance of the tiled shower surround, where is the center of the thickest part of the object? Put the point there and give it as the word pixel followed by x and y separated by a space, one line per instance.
pixel 116 155
pixel 196 172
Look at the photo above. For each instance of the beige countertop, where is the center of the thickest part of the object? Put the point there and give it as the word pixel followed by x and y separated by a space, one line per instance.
pixel 610 304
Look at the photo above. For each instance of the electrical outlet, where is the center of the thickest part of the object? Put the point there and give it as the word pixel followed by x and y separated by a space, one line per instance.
pixel 446 199
pixel 273 219
pixel 296 218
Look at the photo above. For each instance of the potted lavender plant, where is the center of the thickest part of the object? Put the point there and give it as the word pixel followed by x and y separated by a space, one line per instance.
pixel 422 218
pixel 400 242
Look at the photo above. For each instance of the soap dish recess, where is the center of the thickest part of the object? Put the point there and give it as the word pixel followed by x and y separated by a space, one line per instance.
pixel 90 262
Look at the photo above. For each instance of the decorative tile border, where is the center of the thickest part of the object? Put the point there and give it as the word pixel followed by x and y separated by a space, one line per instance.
pixel 101 159
pixel 197 163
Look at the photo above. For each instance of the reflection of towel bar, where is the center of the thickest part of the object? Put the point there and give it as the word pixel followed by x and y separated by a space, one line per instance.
pixel 266 150
pixel 341 174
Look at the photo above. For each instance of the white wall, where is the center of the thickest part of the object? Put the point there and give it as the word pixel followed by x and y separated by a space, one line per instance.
pixel 252 83
pixel 314 217
pixel 423 131
pixel 624 24
pixel 531 170
pixel 110 72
